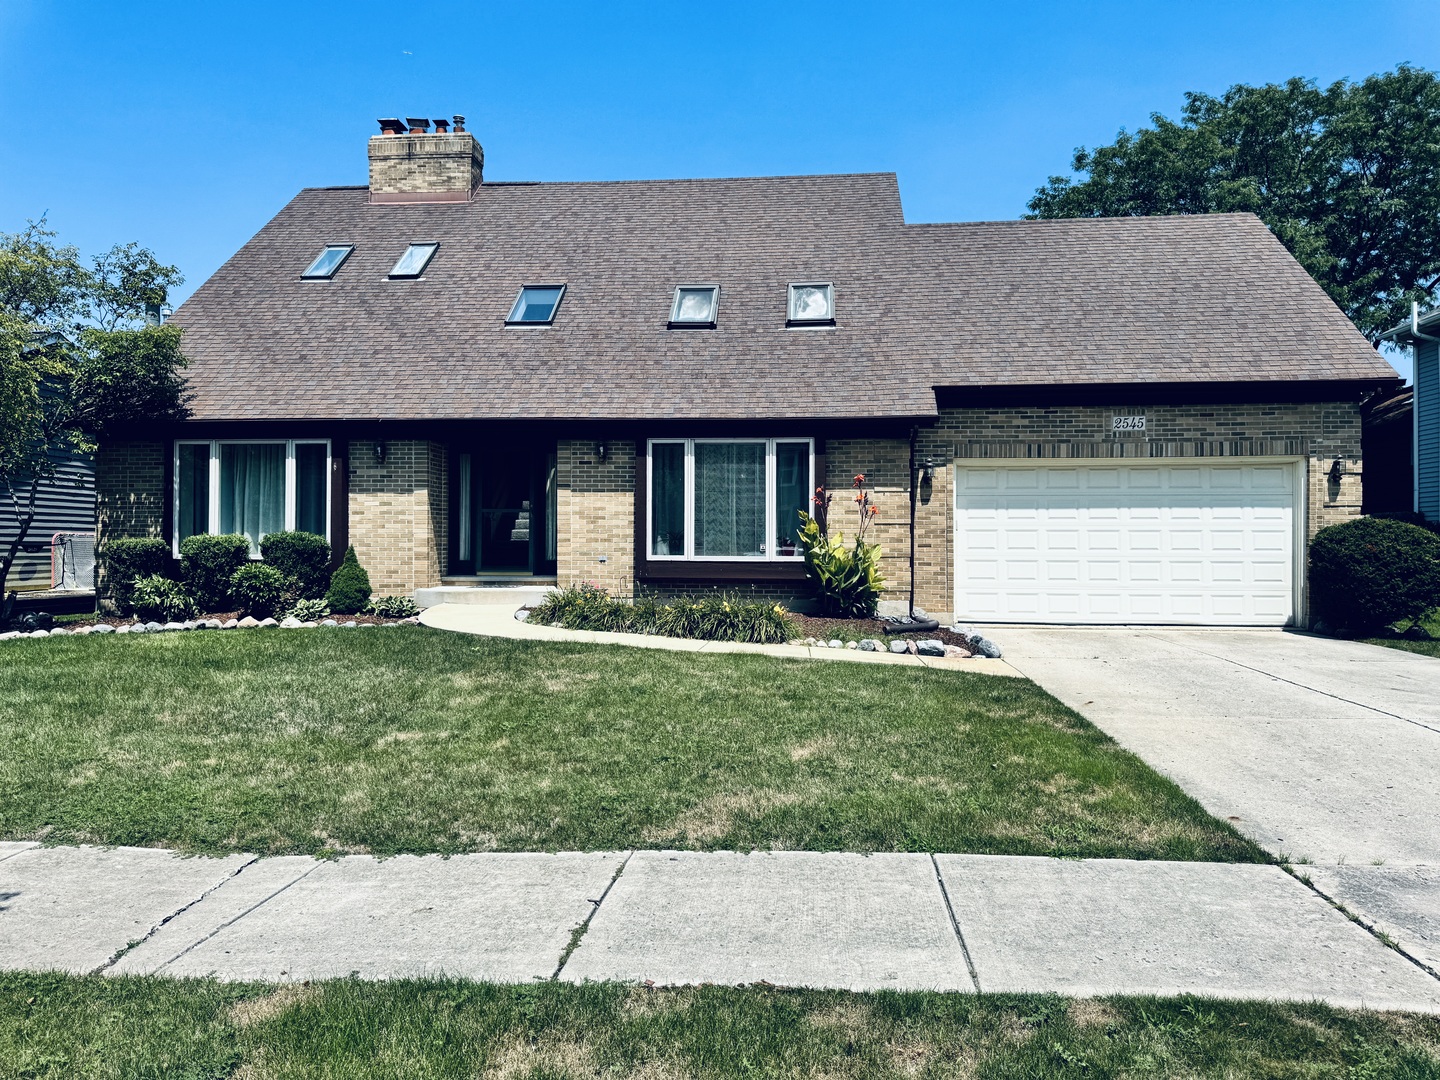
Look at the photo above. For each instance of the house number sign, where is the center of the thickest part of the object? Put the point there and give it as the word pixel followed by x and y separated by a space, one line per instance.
pixel 1127 425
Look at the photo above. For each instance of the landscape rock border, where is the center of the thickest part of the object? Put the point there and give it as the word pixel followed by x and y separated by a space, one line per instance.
pixel 246 623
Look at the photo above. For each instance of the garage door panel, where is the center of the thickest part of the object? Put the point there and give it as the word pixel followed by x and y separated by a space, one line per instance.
pixel 1194 543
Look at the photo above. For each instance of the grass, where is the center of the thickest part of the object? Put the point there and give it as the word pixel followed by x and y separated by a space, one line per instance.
pixel 1429 623
pixel 54 1026
pixel 416 740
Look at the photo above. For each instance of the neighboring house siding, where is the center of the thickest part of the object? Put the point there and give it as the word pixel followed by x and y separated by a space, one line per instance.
pixel 595 514
pixel 1427 428
pixel 399 514
pixel 1319 432
pixel 65 504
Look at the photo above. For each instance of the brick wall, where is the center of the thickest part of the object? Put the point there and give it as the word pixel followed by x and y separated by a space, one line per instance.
pixel 885 464
pixel 399 514
pixel 1317 432
pixel 595 514
pixel 129 493
pixel 429 163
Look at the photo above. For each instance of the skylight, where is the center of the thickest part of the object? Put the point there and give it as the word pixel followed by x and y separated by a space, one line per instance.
pixel 328 261
pixel 536 304
pixel 412 264
pixel 694 306
pixel 812 302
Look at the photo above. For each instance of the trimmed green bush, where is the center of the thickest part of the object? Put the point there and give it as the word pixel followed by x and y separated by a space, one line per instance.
pixel 392 607
pixel 304 557
pixel 207 563
pixel 349 586
pixel 260 590
pixel 718 617
pixel 1370 572
pixel 155 598
pixel 124 561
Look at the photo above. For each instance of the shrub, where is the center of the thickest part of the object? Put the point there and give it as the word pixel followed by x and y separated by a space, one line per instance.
pixel 157 598
pixel 207 563
pixel 718 617
pixel 308 610
pixel 1369 572
pixel 301 556
pixel 349 586
pixel 845 581
pixel 393 607
pixel 260 590
pixel 124 561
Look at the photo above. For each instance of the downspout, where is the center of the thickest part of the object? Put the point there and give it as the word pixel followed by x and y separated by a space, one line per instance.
pixel 1415 406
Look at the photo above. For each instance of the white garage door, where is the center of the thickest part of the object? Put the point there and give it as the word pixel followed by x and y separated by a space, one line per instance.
pixel 1200 542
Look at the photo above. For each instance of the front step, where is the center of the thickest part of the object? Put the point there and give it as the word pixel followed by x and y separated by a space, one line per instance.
pixel 516 596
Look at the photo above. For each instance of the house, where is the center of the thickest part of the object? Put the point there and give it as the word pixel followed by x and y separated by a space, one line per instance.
pixel 640 384
pixel 1388 443
pixel 1422 334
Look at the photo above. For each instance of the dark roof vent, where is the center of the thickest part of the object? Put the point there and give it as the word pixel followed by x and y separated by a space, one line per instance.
pixel 392 127
pixel 441 126
pixel 459 122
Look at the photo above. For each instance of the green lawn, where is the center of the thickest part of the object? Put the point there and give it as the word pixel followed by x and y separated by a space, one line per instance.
pixel 416 740
pixel 75 1028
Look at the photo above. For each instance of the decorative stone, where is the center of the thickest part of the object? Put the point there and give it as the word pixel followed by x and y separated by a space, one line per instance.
pixel 59 631
pixel 836 643
pixel 229 624
pixel 153 627
pixel 522 614
pixel 39 633
pixel 123 628
pixel 9 635
pixel 308 625
pixel 955 652
pixel 328 622
pixel 291 623
pixel 213 624
pixel 189 624
pixel 102 628
pixel 866 646
pixel 249 622
pixel 897 646
pixel 930 647
pixel 171 626
pixel 349 625
pixel 983 646
pixel 265 624
pixel 852 645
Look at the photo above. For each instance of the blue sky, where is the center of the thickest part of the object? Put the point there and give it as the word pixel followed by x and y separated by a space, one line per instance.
pixel 185 126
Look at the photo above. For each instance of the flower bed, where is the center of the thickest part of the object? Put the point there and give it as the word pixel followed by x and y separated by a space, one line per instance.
pixel 720 617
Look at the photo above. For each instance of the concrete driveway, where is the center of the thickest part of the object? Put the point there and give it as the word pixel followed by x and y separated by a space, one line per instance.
pixel 1320 750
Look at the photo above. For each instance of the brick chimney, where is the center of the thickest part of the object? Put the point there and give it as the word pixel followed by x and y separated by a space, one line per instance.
pixel 409 163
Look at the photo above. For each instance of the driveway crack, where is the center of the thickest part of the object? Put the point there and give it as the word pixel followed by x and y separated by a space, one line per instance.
pixel 579 932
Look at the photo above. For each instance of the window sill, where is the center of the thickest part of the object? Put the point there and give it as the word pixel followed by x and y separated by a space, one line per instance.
pixel 718 570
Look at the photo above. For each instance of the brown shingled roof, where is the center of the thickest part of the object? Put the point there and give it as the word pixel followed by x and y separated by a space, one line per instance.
pixel 1184 299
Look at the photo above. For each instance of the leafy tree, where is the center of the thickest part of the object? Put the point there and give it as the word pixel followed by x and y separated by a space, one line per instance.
pixel 1347 177
pixel 78 359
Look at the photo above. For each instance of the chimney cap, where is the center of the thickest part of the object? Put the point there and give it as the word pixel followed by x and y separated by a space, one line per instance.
pixel 391 127
pixel 441 126
pixel 419 125
pixel 459 122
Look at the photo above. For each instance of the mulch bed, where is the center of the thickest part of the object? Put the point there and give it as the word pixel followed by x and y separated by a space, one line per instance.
pixel 855 629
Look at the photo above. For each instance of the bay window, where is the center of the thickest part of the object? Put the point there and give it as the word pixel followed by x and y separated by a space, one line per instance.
pixel 251 488
pixel 722 499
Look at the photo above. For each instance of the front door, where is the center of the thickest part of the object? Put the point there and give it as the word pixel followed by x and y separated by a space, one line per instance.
pixel 504 511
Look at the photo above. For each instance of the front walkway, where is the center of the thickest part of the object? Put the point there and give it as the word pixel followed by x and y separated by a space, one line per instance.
pixel 493 620
pixel 1323 751
pixel 885 921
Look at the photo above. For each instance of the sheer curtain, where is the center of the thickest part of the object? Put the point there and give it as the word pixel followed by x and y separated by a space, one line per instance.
pixel 729 499
pixel 252 490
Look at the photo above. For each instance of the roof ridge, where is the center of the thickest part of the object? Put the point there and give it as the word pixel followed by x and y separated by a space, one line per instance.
pixel 651 180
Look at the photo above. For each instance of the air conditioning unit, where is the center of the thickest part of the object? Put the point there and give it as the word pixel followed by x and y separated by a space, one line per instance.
pixel 72 561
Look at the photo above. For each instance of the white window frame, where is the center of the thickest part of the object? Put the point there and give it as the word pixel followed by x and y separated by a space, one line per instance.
pixel 770 480
pixel 396 275
pixel 213 514
pixel 792 319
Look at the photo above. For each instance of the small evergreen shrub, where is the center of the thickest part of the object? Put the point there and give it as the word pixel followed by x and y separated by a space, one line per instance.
pixel 392 607
pixel 308 610
pixel 125 561
pixel 718 617
pixel 156 598
pixel 301 556
pixel 349 586
pixel 1367 573
pixel 207 563
pixel 260 590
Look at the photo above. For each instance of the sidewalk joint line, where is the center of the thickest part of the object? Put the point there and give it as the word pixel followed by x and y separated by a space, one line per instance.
pixel 955 923
pixel 579 932
pixel 1383 938
pixel 131 945
pixel 231 922
pixel 1313 690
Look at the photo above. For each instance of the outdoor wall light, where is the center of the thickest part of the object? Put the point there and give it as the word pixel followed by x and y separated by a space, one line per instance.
pixel 927 471
pixel 1337 470
pixel 601 449
pixel 380 452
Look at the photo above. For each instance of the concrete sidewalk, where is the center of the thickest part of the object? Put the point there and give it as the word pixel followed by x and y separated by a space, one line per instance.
pixel 493 620
pixel 951 922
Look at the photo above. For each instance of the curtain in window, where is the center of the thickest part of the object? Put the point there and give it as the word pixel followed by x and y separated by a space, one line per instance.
pixel 729 499
pixel 252 490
